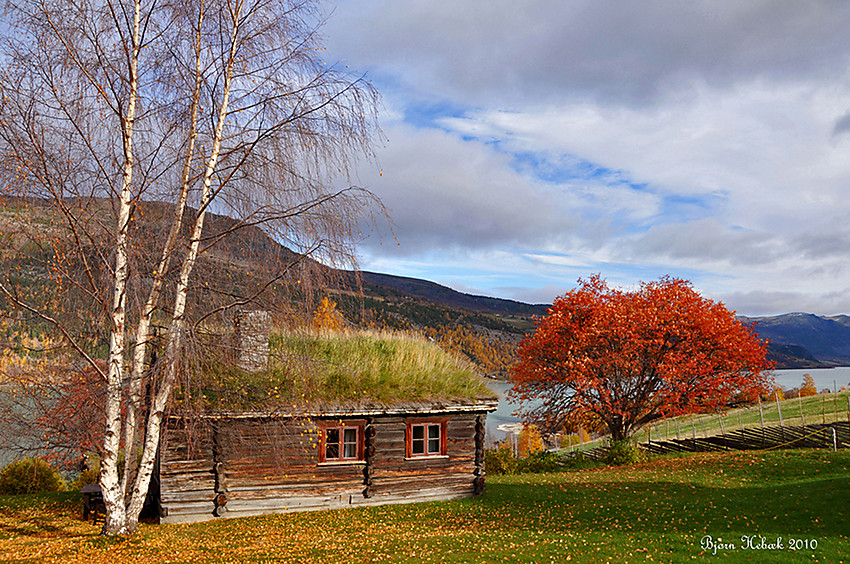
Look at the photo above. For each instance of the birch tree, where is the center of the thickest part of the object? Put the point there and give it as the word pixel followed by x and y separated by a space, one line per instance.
pixel 208 105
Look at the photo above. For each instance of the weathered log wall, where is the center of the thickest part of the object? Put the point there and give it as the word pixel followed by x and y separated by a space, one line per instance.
pixel 239 467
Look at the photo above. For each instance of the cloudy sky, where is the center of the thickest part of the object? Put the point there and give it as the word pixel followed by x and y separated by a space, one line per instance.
pixel 532 143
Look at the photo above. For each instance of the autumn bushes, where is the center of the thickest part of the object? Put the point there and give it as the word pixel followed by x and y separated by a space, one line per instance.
pixel 526 454
pixel 502 460
pixel 621 453
pixel 29 475
pixel 33 475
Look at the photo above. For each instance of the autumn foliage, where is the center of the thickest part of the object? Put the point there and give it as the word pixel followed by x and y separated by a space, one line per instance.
pixel 631 357
pixel 808 388
pixel 529 440
pixel 327 317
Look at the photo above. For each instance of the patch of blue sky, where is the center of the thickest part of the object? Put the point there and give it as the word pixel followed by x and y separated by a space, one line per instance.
pixel 429 113
pixel 564 168
pixel 531 275
pixel 682 208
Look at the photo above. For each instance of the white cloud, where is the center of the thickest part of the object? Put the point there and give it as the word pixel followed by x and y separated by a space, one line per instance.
pixel 560 260
pixel 631 53
pixel 559 138
pixel 443 192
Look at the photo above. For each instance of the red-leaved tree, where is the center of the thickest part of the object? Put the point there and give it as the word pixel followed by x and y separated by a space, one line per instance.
pixel 630 357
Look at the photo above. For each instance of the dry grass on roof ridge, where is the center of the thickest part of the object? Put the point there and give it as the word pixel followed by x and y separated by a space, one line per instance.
pixel 311 370
pixel 383 366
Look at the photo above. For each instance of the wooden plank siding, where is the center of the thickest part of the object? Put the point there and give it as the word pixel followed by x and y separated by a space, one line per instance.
pixel 268 465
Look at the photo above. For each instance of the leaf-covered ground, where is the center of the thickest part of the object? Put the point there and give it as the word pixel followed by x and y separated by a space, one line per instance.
pixel 658 511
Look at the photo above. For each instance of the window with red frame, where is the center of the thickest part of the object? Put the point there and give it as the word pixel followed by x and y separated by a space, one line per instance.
pixel 341 443
pixel 426 439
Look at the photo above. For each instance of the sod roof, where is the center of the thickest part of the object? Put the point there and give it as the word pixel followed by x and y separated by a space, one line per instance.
pixel 352 372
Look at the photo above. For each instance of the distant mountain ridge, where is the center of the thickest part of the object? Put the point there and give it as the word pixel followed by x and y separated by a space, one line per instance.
pixel 797 340
pixel 447 297
pixel 809 340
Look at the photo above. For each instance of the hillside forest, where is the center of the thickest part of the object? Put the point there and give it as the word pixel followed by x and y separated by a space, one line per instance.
pixel 485 330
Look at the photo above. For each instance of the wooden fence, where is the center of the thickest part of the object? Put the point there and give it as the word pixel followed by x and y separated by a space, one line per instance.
pixel 831 435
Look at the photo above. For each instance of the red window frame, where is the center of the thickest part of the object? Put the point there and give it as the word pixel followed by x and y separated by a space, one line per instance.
pixel 337 445
pixel 420 440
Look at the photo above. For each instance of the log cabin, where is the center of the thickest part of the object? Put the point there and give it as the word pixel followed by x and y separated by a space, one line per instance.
pixel 250 464
pixel 369 440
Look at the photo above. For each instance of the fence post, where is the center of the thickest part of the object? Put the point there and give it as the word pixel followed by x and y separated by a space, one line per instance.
pixel 834 402
pixel 779 409
pixel 802 415
pixel 761 416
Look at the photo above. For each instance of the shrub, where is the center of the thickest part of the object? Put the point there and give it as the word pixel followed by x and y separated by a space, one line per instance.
pixel 622 452
pixel 90 472
pixel 578 461
pixel 86 477
pixel 540 461
pixel 500 460
pixel 30 475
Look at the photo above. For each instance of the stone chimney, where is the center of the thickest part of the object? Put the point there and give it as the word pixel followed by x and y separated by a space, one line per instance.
pixel 252 339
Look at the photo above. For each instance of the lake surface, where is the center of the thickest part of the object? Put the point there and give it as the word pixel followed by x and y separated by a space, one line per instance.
pixel 502 421
pixel 832 378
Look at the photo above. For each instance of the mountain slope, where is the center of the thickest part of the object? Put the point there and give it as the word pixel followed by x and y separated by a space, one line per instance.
pixel 827 339
pixel 447 297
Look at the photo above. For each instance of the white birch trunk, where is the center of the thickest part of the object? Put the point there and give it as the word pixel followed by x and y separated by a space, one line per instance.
pixel 178 323
pixel 143 332
pixel 113 496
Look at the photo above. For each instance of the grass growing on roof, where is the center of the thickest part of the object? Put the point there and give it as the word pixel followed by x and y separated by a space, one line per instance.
pixel 347 369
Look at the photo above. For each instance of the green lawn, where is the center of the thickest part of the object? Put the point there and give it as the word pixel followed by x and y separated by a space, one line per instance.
pixel 822 408
pixel 656 511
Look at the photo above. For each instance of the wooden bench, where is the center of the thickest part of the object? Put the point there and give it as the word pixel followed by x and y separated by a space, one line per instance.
pixel 93 503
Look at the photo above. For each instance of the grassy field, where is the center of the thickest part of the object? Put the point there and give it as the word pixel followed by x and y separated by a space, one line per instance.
pixel 821 408
pixel 660 511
